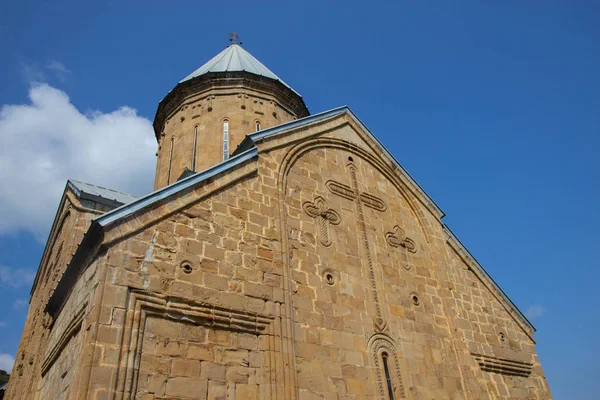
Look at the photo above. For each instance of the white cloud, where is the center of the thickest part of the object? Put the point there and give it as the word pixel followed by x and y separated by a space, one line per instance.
pixel 6 362
pixel 535 311
pixel 62 72
pixel 32 72
pixel 16 277
pixel 19 304
pixel 46 142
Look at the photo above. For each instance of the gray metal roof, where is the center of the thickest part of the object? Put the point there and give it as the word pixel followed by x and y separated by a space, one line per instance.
pixel 234 59
pixel 99 194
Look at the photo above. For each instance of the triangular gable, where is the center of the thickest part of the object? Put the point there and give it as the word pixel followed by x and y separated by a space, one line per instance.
pixel 255 138
pixel 251 140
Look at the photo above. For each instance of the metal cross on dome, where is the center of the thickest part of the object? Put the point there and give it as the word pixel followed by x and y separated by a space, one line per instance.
pixel 234 38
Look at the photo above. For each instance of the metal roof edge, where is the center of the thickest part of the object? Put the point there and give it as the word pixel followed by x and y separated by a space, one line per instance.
pixel 250 139
pixel 396 162
pixel 54 222
pixel 488 276
pixel 82 194
pixel 73 187
pixel 62 289
pixel 129 208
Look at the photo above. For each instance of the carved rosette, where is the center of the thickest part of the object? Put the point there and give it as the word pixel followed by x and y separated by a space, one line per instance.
pixel 319 209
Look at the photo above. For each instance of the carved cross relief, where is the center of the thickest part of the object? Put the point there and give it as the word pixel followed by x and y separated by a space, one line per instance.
pixel 362 198
pixel 397 238
pixel 348 193
pixel 319 209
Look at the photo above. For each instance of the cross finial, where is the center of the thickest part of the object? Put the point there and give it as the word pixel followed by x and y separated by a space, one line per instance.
pixel 234 38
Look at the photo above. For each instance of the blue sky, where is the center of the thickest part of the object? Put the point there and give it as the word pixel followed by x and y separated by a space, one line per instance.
pixel 493 107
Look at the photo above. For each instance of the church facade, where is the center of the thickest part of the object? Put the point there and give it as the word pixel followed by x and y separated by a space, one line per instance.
pixel 282 255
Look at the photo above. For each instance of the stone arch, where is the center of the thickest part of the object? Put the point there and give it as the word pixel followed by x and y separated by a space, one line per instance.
pixel 299 150
pixel 288 161
pixel 378 345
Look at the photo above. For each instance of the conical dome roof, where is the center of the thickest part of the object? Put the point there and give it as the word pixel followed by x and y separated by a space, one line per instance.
pixel 235 59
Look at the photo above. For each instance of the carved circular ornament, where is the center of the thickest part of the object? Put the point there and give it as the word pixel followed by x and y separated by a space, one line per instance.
pixel 415 299
pixel 329 278
pixel 187 267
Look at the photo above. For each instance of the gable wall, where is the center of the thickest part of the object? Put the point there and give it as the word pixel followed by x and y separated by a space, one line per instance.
pixel 72 221
pixel 206 333
pixel 335 325
pixel 254 316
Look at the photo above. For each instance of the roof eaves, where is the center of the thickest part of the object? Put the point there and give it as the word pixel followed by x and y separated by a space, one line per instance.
pixel 250 139
pixel 95 231
pixel 102 195
pixel 489 277
pixel 130 208
pixel 396 163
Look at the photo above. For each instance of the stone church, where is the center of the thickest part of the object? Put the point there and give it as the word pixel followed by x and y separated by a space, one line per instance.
pixel 281 255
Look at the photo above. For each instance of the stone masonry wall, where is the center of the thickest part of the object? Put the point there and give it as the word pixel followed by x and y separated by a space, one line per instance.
pixel 206 113
pixel 195 303
pixel 72 221
pixel 319 275
pixel 362 251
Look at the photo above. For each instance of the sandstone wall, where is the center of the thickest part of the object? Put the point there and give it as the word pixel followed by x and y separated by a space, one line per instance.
pixel 374 274
pixel 314 272
pixel 195 303
pixel 205 113
pixel 72 221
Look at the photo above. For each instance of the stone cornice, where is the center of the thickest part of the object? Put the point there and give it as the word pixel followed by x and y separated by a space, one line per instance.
pixel 173 100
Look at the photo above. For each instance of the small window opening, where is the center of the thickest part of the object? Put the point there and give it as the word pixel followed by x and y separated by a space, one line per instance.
pixel 225 140
pixel 257 125
pixel 388 379
pixel 195 144
pixel 170 160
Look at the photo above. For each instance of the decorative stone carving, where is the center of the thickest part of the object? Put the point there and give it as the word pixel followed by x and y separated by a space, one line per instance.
pixel 348 193
pixel 353 193
pixel 319 209
pixel 378 345
pixel 210 316
pixel 503 366
pixel 396 238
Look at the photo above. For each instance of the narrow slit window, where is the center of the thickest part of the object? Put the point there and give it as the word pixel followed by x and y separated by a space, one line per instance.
pixel 257 125
pixel 195 144
pixel 388 379
pixel 170 160
pixel 225 140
